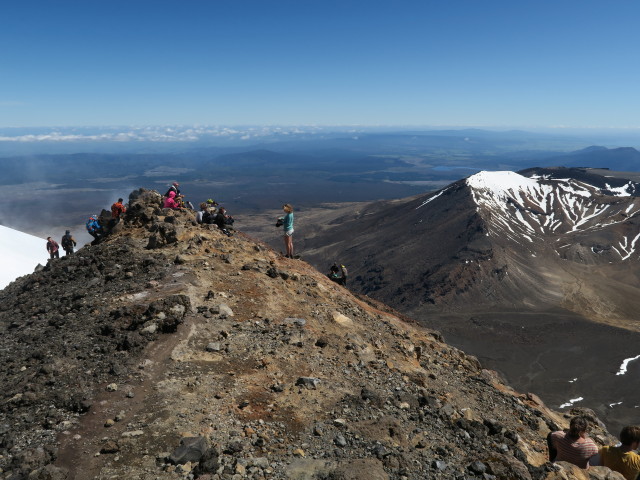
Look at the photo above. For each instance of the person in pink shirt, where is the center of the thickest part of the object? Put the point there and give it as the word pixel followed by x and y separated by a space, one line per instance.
pixel 170 201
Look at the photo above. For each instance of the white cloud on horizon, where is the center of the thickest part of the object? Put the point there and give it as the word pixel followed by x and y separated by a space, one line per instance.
pixel 151 134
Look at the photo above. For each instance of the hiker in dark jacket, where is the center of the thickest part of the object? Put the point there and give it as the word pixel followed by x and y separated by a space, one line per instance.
pixel 53 248
pixel 221 221
pixel 338 274
pixel 68 243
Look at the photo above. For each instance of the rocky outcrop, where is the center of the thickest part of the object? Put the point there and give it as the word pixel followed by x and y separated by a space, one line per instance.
pixel 213 357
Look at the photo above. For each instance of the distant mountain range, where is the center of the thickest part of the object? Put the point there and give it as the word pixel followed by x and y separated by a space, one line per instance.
pixel 269 168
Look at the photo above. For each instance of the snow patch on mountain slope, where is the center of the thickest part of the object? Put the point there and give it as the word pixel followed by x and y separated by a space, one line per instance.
pixel 432 198
pixel 20 253
pixel 622 191
pixel 524 209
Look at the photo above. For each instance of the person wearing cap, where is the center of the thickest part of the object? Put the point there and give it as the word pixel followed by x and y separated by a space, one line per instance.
pixel 173 188
pixel 68 243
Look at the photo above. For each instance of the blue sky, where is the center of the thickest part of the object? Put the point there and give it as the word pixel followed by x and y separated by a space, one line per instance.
pixel 270 62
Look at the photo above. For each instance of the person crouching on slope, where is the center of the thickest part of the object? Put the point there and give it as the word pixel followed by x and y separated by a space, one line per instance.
pixel 573 446
pixel 94 229
pixel 623 458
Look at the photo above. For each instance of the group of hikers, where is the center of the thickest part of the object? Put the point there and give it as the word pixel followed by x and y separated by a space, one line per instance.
pixel 210 213
pixel 94 228
pixel 575 446
pixel 68 244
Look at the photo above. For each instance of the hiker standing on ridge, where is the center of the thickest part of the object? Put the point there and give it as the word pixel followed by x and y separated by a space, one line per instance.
pixel 53 248
pixel 68 243
pixel 287 225
pixel 573 445
pixel 623 458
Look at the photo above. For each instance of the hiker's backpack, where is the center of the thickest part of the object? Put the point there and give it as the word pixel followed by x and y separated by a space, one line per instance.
pixel 66 242
pixel 92 224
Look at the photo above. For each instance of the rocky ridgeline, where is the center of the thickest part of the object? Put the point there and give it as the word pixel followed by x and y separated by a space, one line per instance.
pixel 171 351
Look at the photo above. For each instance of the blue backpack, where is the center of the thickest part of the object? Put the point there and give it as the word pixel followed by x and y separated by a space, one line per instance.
pixel 92 224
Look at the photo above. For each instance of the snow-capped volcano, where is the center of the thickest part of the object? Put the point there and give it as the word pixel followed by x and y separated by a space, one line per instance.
pixel 20 254
pixel 498 238
pixel 536 272
pixel 559 211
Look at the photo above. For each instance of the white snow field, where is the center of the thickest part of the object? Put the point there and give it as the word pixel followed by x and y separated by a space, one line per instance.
pixel 20 253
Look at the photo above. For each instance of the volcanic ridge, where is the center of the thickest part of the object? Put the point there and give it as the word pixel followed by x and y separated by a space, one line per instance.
pixel 171 351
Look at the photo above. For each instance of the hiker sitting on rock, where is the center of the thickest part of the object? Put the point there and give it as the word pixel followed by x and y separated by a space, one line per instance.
pixel 68 242
pixel 170 201
pixel 209 216
pixel 201 212
pixel 208 210
pixel 53 248
pixel 173 188
pixel 623 458
pixel 573 446
pixel 222 220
